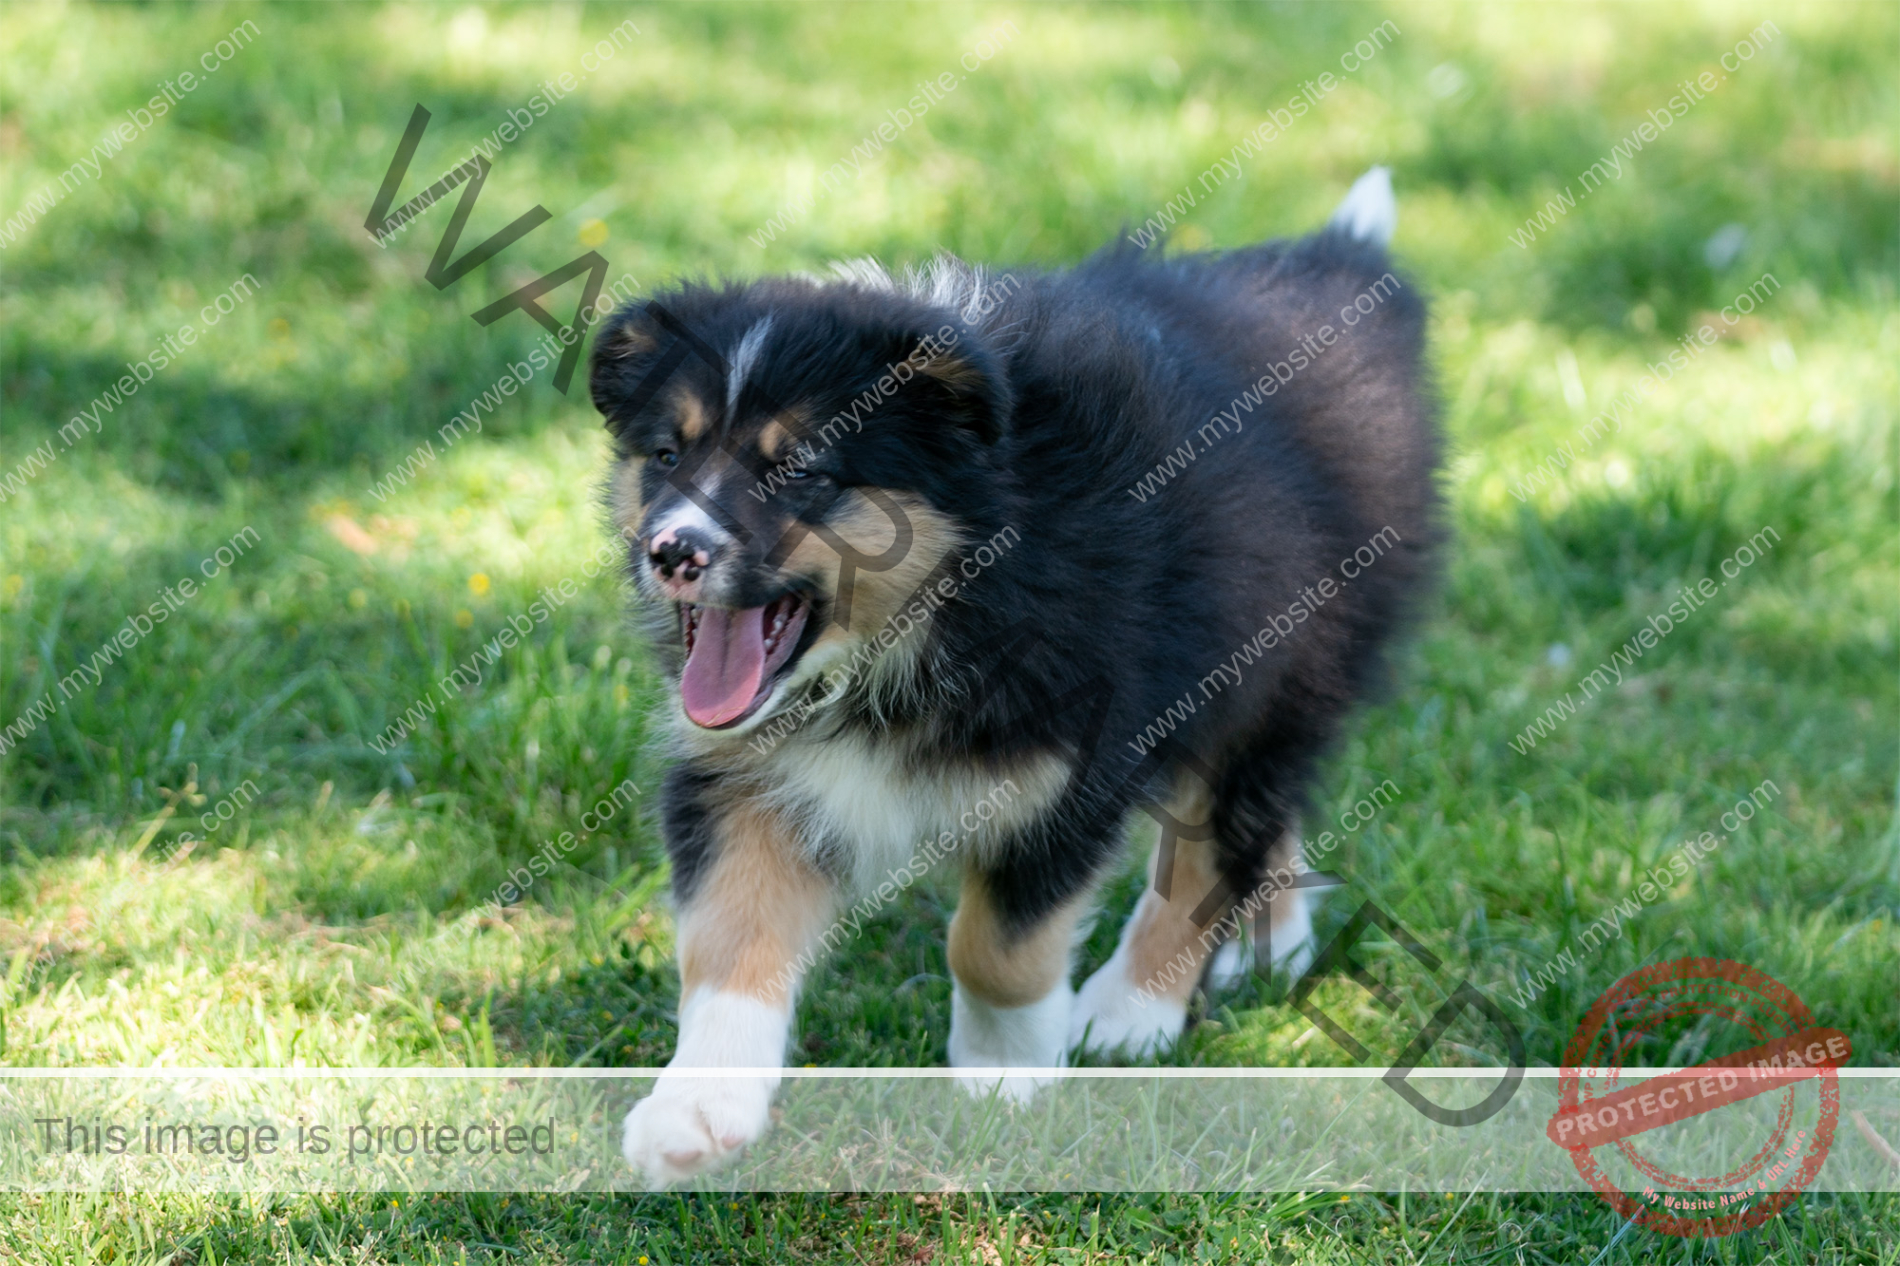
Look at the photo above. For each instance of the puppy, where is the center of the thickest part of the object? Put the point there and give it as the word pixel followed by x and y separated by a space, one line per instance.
pixel 963 570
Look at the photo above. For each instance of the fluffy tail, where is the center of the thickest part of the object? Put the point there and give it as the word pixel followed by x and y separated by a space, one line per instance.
pixel 1369 212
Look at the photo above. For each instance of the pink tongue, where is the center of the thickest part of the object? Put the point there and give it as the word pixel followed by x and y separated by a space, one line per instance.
pixel 723 672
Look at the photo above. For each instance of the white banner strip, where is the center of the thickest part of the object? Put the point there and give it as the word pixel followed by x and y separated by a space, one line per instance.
pixel 911 1129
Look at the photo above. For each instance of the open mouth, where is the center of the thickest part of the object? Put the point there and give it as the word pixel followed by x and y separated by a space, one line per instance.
pixel 734 658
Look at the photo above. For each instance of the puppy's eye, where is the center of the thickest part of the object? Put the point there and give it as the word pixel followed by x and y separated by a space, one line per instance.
pixel 798 474
pixel 667 458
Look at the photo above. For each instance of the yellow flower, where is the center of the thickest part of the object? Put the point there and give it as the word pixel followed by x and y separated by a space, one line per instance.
pixel 593 233
pixel 478 583
pixel 464 619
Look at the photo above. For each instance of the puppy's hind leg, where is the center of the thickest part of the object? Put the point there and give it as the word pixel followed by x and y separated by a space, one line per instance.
pixel 1137 1003
pixel 1279 918
pixel 1257 828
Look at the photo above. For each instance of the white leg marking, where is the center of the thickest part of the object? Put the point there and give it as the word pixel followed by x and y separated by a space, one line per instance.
pixel 691 1123
pixel 1230 966
pixel 1115 1012
pixel 1292 912
pixel 986 1036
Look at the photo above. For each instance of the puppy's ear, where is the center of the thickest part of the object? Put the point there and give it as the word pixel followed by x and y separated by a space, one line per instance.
pixel 627 349
pixel 959 380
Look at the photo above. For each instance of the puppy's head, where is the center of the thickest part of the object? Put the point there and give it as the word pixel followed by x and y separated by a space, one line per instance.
pixel 792 462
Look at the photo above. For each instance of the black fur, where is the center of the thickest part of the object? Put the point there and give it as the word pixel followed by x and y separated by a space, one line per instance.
pixel 1111 609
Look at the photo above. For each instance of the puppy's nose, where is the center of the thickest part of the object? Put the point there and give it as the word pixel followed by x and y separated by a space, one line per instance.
pixel 680 554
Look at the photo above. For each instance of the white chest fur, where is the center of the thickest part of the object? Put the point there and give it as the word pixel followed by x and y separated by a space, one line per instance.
pixel 869 808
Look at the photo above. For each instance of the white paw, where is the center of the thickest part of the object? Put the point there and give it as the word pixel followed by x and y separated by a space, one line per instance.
pixel 1296 958
pixel 1017 1090
pixel 1231 964
pixel 691 1124
pixel 992 1037
pixel 1113 1015
pixel 1292 935
pixel 1234 961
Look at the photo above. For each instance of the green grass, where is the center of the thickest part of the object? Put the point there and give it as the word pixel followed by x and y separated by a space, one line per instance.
pixel 313 924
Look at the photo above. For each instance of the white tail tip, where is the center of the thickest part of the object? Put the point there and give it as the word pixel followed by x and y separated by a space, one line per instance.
pixel 1369 211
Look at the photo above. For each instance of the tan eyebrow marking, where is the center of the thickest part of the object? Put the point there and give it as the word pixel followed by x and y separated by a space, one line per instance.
pixel 693 419
pixel 779 435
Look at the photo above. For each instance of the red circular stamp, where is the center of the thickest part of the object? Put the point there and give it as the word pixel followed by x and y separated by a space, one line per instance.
pixel 1750 1166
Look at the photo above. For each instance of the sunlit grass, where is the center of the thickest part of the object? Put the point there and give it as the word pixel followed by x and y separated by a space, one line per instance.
pixel 336 917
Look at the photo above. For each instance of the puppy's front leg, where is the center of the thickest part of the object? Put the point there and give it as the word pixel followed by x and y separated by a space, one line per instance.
pixel 748 917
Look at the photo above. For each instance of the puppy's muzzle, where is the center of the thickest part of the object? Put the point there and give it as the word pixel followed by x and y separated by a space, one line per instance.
pixel 679 557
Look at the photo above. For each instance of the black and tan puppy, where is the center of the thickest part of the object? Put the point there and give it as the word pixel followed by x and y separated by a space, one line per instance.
pixel 968 568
